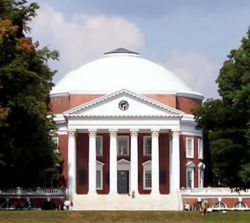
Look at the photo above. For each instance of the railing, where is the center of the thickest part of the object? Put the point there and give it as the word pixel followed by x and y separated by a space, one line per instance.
pixel 213 191
pixel 33 192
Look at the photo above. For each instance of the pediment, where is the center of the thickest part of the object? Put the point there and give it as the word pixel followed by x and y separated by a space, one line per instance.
pixel 123 162
pixel 123 103
pixel 146 163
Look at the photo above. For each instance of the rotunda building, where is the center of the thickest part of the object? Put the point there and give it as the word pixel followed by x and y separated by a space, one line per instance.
pixel 126 134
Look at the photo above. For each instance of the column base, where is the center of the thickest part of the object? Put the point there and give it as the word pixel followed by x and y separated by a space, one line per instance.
pixel 92 193
pixel 155 193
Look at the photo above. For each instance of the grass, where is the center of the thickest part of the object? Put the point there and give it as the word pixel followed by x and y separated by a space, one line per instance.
pixel 120 216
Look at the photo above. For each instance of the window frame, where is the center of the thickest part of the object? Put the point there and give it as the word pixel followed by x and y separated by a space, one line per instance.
pixel 56 141
pixel 221 205
pixel 200 177
pixel 145 187
pixel 128 146
pixel 200 149
pixel 201 168
pixel 242 205
pixel 146 168
pixel 145 138
pixel 101 137
pixel 99 167
pixel 190 167
pixel 192 147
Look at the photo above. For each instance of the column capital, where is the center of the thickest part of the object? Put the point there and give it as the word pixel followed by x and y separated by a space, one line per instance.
pixel 134 132
pixel 71 132
pixel 175 133
pixel 92 132
pixel 113 132
pixel 155 132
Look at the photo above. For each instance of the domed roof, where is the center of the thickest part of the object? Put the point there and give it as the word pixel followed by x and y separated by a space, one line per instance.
pixel 122 69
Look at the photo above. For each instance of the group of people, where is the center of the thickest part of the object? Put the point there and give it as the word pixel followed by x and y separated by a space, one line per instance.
pixel 204 206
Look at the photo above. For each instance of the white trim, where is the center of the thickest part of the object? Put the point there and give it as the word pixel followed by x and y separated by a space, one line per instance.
pixel 147 166
pixel 193 95
pixel 99 136
pixel 192 147
pixel 145 138
pixel 127 138
pixel 200 149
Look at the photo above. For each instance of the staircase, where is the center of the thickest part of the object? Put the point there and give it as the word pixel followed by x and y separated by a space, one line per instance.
pixel 124 202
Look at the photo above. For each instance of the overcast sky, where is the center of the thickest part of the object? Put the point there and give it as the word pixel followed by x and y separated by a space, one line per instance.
pixel 190 37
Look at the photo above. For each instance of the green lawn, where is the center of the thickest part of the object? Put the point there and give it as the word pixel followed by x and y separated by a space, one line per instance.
pixel 120 216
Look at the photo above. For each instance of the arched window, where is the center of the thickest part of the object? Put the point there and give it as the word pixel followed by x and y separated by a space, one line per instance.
pixel 219 205
pixel 240 205
pixel 7 205
pixel 190 174
pixel 201 168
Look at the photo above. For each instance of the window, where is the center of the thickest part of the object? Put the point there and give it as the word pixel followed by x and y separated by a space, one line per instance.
pixel 148 179
pixel 201 177
pixel 147 145
pixel 56 141
pixel 240 204
pixel 123 145
pixel 99 175
pixel 98 180
pixel 99 146
pixel 190 174
pixel 190 147
pixel 219 205
pixel 200 149
pixel 201 168
pixel 147 175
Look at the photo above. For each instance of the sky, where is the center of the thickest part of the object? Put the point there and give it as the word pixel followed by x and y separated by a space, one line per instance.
pixel 189 37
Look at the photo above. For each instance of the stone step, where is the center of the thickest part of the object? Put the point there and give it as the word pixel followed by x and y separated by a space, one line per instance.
pixel 125 202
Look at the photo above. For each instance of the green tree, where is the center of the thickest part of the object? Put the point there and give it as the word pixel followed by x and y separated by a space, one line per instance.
pixel 27 156
pixel 226 122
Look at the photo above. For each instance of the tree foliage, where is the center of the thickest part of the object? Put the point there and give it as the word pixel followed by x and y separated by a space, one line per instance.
pixel 226 122
pixel 27 156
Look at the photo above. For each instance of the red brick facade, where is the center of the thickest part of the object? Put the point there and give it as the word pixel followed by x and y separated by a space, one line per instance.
pixel 64 103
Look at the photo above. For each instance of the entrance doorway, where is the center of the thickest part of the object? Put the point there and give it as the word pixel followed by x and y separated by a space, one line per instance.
pixel 123 181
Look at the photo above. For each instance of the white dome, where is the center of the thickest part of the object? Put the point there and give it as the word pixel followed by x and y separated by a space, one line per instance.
pixel 122 69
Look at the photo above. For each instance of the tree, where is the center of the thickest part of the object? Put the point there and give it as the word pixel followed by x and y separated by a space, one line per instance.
pixel 27 156
pixel 226 122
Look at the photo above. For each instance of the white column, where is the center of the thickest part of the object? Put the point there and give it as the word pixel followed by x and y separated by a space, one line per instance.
pixel 175 167
pixel 72 161
pixel 113 162
pixel 134 161
pixel 92 161
pixel 170 160
pixel 155 162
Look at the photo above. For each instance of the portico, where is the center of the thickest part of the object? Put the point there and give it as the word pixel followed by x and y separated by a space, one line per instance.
pixel 132 145
pixel 132 165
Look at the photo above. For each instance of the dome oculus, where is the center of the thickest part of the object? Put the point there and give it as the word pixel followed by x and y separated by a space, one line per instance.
pixel 123 105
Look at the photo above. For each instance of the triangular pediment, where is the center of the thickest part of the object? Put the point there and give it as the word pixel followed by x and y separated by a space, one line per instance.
pixel 123 103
